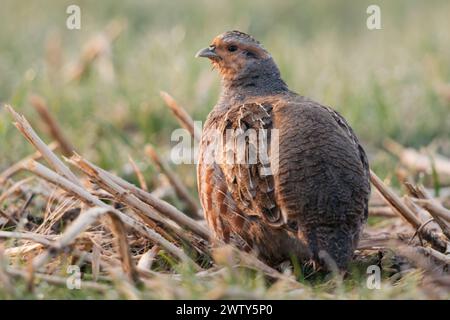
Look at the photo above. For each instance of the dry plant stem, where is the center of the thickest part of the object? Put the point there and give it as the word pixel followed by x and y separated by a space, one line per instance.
pixel 23 249
pixel 55 131
pixel 417 161
pixel 435 208
pixel 427 260
pixel 95 261
pixel 440 214
pixel 144 211
pixel 139 174
pixel 27 236
pixel 94 48
pixel 249 260
pixel 162 192
pixel 182 116
pixel 79 226
pixel 179 187
pixel 444 258
pixel 90 200
pixel 8 173
pixel 396 203
pixel 422 215
pixel 118 228
pixel 14 188
pixel 56 280
pixel 146 261
pixel 385 212
pixel 123 285
pixel 164 208
pixel 377 242
pixel 24 127
pixel 416 255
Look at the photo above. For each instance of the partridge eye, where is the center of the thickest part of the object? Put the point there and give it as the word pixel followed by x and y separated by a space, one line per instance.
pixel 232 48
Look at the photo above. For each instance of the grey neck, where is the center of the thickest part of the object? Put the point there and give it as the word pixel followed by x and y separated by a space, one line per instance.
pixel 259 79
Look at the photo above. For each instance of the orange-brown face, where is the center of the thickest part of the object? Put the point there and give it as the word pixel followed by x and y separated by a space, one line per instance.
pixel 231 52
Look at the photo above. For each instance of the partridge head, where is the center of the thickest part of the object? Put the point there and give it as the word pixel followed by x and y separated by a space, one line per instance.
pixel 235 54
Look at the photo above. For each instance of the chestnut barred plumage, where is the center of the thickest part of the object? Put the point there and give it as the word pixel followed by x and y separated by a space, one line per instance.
pixel 314 205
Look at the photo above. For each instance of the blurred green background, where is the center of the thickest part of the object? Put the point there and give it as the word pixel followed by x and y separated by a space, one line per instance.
pixel 391 83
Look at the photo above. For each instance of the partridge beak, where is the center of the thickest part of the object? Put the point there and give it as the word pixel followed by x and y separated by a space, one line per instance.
pixel 207 53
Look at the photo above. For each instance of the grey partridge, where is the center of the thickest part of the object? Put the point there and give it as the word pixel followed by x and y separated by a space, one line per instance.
pixel 308 197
